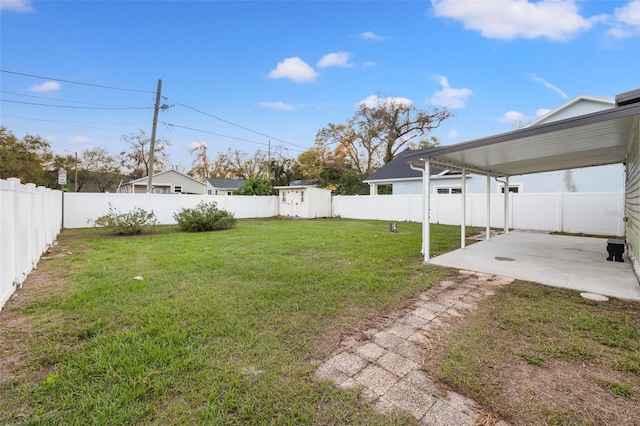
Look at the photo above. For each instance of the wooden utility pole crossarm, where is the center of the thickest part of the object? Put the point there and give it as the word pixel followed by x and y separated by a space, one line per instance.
pixel 153 136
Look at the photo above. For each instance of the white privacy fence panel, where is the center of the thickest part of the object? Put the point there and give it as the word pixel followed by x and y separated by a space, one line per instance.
pixel 598 213
pixel 406 207
pixel 81 209
pixel 30 220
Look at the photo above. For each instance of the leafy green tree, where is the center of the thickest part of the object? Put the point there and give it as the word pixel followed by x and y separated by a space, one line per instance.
pixel 96 166
pixel 342 179
pixel 255 186
pixel 26 158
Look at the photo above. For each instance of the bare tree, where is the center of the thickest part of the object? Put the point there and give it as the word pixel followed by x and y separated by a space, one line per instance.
pixel 240 164
pixel 136 159
pixel 379 131
pixel 200 168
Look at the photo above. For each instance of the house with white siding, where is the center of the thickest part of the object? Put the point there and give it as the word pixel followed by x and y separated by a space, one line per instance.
pixel 221 186
pixel 397 176
pixel 166 182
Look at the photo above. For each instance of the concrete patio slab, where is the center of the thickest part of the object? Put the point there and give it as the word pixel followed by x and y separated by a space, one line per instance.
pixel 577 263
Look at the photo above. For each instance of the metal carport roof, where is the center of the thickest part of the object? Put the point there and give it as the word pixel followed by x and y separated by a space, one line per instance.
pixel 588 140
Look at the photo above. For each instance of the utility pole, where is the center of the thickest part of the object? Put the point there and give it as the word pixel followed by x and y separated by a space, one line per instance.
pixel 153 136
pixel 76 177
pixel 270 165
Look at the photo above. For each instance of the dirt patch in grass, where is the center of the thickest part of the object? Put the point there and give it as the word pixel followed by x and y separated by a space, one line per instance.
pixel 539 355
pixel 17 330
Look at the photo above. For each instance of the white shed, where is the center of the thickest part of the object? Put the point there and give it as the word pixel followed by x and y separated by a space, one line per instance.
pixel 304 201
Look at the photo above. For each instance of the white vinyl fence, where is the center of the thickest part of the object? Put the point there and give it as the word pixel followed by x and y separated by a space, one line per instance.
pixel 30 220
pixel 81 209
pixel 597 213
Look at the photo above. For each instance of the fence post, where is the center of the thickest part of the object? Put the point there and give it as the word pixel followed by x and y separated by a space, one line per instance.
pixel 560 212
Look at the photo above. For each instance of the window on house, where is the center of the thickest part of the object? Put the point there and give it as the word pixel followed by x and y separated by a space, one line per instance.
pixel 209 192
pixel 177 189
pixel 512 188
pixel 449 190
pixel 229 192
pixel 302 196
pixel 284 197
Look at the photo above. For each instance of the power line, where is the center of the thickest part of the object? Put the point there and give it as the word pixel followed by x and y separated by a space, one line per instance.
pixel 221 135
pixel 71 106
pixel 60 100
pixel 233 124
pixel 77 82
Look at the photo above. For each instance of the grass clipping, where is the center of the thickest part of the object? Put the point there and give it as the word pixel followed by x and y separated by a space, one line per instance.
pixel 540 355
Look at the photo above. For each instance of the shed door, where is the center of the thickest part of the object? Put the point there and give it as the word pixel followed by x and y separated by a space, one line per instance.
pixel 290 202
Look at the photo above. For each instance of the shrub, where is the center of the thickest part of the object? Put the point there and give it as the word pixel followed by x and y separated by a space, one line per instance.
pixel 255 186
pixel 204 217
pixel 135 222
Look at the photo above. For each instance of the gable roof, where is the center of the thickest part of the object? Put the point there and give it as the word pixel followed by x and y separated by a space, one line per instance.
pixel 587 103
pixel 144 179
pixel 223 183
pixel 593 139
pixel 399 168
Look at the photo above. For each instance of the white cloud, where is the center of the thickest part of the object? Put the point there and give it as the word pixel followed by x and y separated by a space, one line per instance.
pixel 16 5
pixel 509 19
pixel 453 134
pixel 79 139
pixel 375 100
pixel 449 97
pixel 197 144
pixel 548 85
pixel 513 117
pixel 281 106
pixel 337 59
pixel 369 35
pixel 542 111
pixel 47 86
pixel 629 14
pixel 369 64
pixel 626 20
pixel 294 69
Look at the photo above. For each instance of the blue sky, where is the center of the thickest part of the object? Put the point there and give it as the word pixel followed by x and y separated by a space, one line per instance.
pixel 240 73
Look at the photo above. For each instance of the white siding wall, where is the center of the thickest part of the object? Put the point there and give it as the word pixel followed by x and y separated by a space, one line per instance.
pixel 632 201
pixel 30 220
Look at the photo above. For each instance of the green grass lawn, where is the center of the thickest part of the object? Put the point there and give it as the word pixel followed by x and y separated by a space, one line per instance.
pixel 222 329
pixel 540 355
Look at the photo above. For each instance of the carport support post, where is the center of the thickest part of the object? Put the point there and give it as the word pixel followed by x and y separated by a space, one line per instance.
pixel 488 228
pixel 506 205
pixel 426 226
pixel 463 229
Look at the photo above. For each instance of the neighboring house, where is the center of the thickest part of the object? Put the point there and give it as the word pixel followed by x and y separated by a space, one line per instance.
pixel 220 186
pixel 306 201
pixel 404 180
pixel 166 182
pixel 397 177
